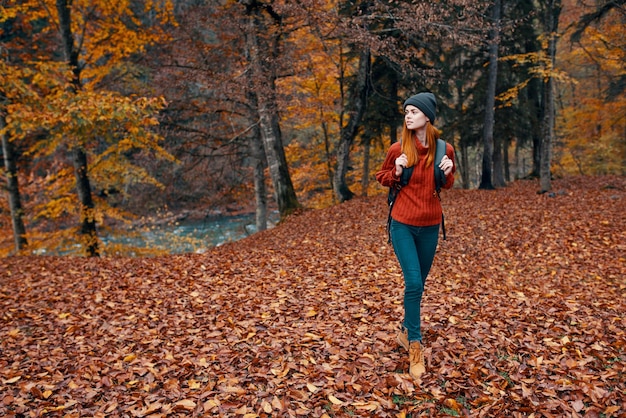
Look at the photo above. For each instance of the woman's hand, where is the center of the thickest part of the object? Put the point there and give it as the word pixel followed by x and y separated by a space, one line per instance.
pixel 401 163
pixel 446 165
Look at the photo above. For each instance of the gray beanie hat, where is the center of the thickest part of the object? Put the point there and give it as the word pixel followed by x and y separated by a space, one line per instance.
pixel 426 103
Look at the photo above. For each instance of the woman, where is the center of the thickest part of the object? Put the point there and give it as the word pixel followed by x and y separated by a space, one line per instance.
pixel 416 213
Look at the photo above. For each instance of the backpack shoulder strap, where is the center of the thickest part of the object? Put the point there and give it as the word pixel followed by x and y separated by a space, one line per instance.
pixel 440 177
pixel 406 175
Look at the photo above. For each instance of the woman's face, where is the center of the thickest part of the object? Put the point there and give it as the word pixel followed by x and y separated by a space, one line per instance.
pixel 414 118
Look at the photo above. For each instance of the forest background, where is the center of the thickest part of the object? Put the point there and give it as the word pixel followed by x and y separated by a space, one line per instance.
pixel 126 113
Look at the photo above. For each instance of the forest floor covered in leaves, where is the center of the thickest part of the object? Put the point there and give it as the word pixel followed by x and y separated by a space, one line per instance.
pixel 523 316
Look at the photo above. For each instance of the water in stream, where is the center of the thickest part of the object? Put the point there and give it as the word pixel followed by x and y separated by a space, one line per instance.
pixel 189 237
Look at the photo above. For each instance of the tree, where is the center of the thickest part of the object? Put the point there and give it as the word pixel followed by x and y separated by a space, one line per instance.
pixel 259 163
pixel 89 236
pixel 13 189
pixel 525 111
pixel 488 146
pixel 318 85
pixel 515 121
pixel 551 23
pixel 358 100
pixel 381 119
pixel 264 79
pixel 13 83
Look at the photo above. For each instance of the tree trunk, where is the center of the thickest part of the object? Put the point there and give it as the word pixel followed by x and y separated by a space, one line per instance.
pixel 465 165
pixel 260 191
pixel 498 163
pixel 89 235
pixel 545 181
pixel 328 154
pixel 258 167
pixel 263 81
pixel 284 192
pixel 13 189
pixel 519 165
pixel 537 99
pixel 488 146
pixel 393 125
pixel 365 178
pixel 553 12
pixel 348 133
pixel 505 154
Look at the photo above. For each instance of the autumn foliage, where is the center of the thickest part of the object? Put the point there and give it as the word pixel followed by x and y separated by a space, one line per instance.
pixel 523 315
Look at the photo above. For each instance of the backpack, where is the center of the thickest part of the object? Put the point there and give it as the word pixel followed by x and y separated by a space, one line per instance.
pixel 440 181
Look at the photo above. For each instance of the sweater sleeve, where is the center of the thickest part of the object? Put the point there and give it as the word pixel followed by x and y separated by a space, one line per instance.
pixel 386 176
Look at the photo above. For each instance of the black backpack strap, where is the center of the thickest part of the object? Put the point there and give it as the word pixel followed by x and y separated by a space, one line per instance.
pixel 440 178
pixel 393 193
pixel 389 223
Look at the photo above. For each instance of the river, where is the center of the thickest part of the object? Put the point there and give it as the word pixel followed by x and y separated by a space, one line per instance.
pixel 186 236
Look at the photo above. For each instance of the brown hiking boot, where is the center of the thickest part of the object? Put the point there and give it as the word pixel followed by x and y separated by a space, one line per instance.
pixel 403 338
pixel 416 360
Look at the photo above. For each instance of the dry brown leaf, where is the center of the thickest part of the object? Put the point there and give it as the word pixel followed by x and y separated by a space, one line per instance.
pixel 267 407
pixel 186 404
pixel 312 388
pixel 452 404
pixel 366 406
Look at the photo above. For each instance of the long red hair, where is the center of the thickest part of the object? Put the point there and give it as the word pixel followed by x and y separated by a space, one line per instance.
pixel 409 146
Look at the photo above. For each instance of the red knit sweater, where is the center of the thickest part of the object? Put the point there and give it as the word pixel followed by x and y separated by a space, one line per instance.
pixel 417 203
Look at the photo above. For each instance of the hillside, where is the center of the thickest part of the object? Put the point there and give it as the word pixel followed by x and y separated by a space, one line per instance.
pixel 523 316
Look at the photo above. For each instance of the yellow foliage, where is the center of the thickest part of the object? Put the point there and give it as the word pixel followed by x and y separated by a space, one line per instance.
pixel 109 127
pixel 314 112
pixel 593 137
pixel 590 125
pixel 538 65
pixel 107 32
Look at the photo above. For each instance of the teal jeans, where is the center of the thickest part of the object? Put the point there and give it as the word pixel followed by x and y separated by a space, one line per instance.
pixel 415 248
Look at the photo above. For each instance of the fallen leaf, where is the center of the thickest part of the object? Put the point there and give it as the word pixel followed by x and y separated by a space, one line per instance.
pixel 187 404
pixel 267 407
pixel 366 406
pixel 452 404
pixel 578 405
pixel 312 388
